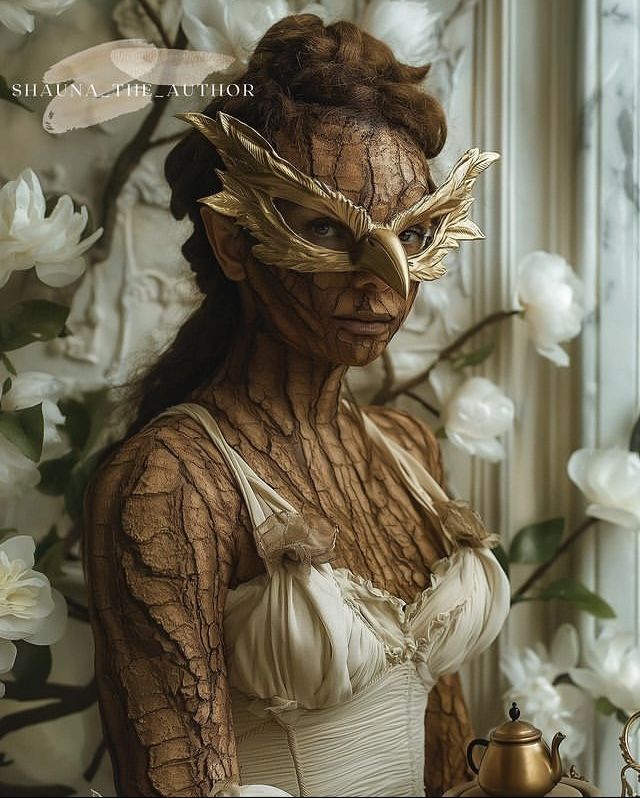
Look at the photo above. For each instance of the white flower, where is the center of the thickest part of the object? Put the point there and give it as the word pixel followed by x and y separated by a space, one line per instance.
pixel 17 473
pixel 14 14
pixel 30 609
pixel 409 28
pixel 613 670
pixel 474 413
pixel 7 659
pixel 32 387
pixel 552 708
pixel 29 238
pixel 610 479
pixel 230 28
pixel 551 295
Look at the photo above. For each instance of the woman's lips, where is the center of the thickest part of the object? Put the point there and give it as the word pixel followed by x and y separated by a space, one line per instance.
pixel 362 325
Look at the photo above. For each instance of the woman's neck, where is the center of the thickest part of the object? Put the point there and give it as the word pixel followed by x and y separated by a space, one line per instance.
pixel 277 383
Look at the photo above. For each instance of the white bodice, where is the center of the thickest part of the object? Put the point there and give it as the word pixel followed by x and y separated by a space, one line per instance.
pixel 330 675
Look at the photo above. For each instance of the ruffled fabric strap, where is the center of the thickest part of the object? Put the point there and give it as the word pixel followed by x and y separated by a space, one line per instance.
pixel 305 538
pixel 462 526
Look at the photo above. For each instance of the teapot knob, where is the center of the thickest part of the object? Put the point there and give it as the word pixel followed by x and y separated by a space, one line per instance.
pixel 514 712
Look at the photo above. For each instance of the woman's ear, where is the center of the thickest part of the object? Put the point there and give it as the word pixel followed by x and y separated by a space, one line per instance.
pixel 230 246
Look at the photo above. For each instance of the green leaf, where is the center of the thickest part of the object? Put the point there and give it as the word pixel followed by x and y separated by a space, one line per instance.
pixel 8 364
pixel 579 595
pixel 537 543
pixel 55 474
pixel 77 422
pixel 33 320
pixel 31 668
pixel 80 475
pixel 475 357
pixel 501 556
pixel 84 419
pixel 605 707
pixel 6 386
pixel 25 429
pixel 6 94
pixel 441 432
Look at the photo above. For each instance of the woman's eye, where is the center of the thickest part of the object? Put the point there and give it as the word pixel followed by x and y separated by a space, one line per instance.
pixel 415 239
pixel 322 227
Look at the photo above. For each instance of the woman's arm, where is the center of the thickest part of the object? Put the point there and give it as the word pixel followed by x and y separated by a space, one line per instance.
pixel 158 558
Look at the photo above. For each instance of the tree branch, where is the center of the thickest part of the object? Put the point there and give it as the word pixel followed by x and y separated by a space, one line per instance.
pixel 74 699
pixel 96 759
pixel 159 142
pixel 69 693
pixel 127 161
pixel 388 394
pixel 46 790
pixel 542 569
pixel 150 11
pixel 428 407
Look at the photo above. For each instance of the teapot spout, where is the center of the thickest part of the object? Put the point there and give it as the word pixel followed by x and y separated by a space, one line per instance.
pixel 556 761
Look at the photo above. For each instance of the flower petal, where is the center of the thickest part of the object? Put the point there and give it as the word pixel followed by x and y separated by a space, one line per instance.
pixel 8 653
pixel 54 625
pixel 20 547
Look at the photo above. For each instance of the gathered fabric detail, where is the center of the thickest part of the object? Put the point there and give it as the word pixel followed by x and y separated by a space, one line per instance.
pixel 305 538
pixel 462 526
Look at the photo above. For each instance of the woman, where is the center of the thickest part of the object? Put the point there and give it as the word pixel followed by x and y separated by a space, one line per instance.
pixel 276 578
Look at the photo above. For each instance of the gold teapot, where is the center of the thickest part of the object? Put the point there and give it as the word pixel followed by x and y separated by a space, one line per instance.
pixel 517 761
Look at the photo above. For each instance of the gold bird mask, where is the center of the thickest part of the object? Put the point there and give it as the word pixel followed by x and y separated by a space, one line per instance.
pixel 255 175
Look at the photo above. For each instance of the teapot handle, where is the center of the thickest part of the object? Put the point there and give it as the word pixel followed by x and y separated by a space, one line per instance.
pixel 470 748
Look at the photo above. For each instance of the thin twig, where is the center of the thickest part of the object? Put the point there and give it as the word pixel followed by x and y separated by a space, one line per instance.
pixel 150 11
pixel 542 569
pixel 388 395
pixel 430 408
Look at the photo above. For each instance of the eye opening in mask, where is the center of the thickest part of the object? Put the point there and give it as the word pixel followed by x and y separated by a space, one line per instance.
pixel 417 237
pixel 315 227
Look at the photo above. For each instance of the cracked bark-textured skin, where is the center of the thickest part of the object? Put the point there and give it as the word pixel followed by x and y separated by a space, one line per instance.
pixel 167 530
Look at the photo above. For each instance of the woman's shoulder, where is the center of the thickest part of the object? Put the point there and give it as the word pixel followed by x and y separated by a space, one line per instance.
pixel 173 460
pixel 411 433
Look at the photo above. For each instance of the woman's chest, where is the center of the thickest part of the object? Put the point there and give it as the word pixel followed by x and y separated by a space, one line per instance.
pixel 383 535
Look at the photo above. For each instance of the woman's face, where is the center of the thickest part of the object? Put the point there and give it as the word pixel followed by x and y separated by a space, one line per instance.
pixel 345 318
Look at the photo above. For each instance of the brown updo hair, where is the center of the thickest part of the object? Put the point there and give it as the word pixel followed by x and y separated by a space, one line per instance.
pixel 300 69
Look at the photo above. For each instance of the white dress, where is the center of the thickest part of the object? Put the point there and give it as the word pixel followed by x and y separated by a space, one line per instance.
pixel 329 674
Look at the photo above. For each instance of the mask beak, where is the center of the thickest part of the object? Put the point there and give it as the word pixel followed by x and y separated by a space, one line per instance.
pixel 381 253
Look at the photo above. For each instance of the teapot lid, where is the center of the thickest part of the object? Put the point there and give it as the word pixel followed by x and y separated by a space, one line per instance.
pixel 514 730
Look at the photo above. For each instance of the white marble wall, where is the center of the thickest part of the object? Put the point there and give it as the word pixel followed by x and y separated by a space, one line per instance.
pixel 608 227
